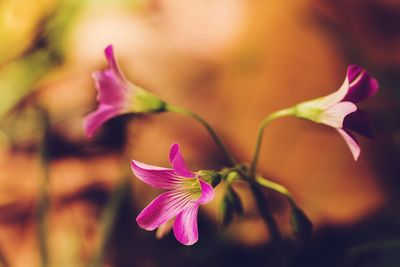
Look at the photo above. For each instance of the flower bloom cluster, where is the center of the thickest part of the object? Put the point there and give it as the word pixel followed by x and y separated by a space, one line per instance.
pixel 177 208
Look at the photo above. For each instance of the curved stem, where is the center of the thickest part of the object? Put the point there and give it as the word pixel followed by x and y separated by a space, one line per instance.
pixel 265 213
pixel 264 123
pixel 108 220
pixel 208 127
pixel 268 218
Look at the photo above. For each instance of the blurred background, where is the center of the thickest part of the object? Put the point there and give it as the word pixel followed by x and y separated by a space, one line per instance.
pixel 231 61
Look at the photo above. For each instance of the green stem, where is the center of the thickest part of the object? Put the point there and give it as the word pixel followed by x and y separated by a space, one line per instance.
pixel 256 190
pixel 208 127
pixel 264 123
pixel 268 218
pixel 108 220
pixel 265 213
pixel 43 201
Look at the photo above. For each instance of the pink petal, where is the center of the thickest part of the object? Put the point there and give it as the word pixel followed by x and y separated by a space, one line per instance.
pixel 185 226
pixel 178 163
pixel 351 143
pixel 335 115
pixel 163 208
pixel 97 118
pixel 337 96
pixel 112 63
pixel 112 87
pixel 207 192
pixel 155 176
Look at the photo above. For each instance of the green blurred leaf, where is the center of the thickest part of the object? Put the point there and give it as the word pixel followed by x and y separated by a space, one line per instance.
pixel 23 128
pixel 301 225
pixel 237 203
pixel 227 211
pixel 18 78
pixel 231 205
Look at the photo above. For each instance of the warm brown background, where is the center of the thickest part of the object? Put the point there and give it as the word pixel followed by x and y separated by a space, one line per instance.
pixel 233 62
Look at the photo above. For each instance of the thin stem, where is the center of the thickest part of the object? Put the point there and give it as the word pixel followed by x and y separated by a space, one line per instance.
pixel 208 127
pixel 261 201
pixel 43 202
pixel 264 123
pixel 108 221
pixel 265 213
pixel 268 218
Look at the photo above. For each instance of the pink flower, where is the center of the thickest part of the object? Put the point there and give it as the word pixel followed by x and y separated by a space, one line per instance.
pixel 185 192
pixel 117 96
pixel 339 109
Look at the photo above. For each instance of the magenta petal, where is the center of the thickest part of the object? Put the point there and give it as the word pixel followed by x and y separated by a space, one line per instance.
pixel 351 143
pixel 178 163
pixel 157 177
pixel 353 71
pixel 112 63
pixel 98 117
pixel 111 90
pixel 163 208
pixel 207 192
pixel 185 226
pixel 112 87
pixel 358 122
pixel 362 87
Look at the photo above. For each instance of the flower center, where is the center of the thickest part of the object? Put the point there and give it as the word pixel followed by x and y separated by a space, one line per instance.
pixel 308 111
pixel 191 186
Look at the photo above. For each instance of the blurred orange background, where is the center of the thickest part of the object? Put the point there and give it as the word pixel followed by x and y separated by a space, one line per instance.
pixel 233 62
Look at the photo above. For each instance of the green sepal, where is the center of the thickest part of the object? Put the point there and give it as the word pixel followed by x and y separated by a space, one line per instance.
pixel 211 177
pixel 146 102
pixel 227 211
pixel 237 203
pixel 301 225
pixel 230 205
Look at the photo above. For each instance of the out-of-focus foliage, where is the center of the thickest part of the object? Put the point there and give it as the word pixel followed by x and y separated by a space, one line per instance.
pixel 37 33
